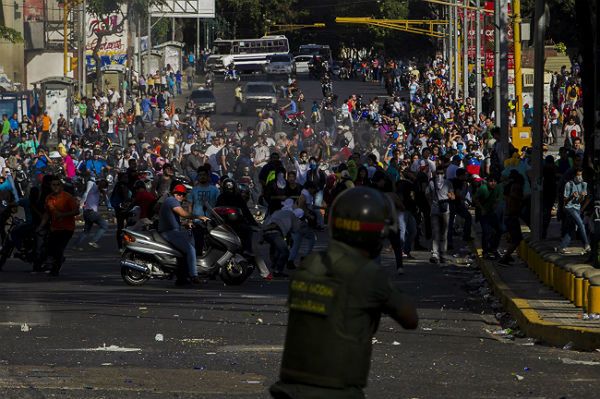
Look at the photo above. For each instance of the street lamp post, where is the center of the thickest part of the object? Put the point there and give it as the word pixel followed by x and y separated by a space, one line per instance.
pixel 478 93
pixel 538 98
pixel 465 31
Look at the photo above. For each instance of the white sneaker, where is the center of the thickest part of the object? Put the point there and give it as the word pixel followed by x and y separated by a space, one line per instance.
pixel 587 249
pixel 93 244
pixel 562 251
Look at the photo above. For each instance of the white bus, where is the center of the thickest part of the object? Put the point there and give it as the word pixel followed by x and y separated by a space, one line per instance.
pixel 246 54
pixel 322 50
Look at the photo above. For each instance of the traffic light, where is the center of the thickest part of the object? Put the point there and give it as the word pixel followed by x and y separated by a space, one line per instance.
pixel 73 63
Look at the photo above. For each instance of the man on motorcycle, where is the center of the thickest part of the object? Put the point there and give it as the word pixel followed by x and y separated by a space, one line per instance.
pixel 326 85
pixel 96 165
pixel 169 227
pixel 291 108
pixel 230 72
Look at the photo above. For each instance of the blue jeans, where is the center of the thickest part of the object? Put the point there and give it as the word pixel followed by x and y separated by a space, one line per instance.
pixel 575 219
pixel 183 242
pixel 123 137
pixel 78 126
pixel 305 233
pixel 90 218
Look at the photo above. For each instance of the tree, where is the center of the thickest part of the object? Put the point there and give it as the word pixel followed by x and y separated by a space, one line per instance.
pixel 10 34
pixel 563 22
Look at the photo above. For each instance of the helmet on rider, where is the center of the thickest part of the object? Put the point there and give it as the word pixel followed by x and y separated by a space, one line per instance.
pixel 139 184
pixel 228 185
pixel 362 218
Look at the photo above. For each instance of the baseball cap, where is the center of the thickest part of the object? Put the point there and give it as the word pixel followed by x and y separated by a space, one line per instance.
pixel 179 189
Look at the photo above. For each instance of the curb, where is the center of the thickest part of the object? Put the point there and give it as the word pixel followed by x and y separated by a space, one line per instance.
pixel 530 321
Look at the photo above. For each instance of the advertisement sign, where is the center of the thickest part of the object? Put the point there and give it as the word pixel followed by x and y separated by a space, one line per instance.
pixel 33 10
pixel 489 40
pixel 113 48
pixel 184 9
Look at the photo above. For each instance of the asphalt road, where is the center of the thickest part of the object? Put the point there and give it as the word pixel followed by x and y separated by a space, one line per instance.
pixel 88 335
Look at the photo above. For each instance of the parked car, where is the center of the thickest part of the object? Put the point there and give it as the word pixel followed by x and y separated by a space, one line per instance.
pixel 204 101
pixel 279 64
pixel 301 63
pixel 258 95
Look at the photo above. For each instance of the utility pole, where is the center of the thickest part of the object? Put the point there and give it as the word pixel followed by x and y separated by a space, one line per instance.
pixel 65 38
pixel 450 31
pixel 501 75
pixel 465 33
pixel 455 50
pixel 172 29
pixel 82 43
pixel 478 94
pixel 197 38
pixel 516 9
pixel 149 43
pixel 538 99
pixel 138 27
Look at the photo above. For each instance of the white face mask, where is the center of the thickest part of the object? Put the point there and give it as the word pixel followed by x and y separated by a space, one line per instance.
pixel 578 179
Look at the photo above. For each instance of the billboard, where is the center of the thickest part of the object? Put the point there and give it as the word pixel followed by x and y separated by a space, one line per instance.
pixel 113 48
pixel 184 9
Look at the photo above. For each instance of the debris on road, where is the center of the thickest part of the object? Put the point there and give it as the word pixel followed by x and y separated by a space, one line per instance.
pixel 568 346
pixel 159 338
pixel 580 362
pixel 25 327
pixel 104 348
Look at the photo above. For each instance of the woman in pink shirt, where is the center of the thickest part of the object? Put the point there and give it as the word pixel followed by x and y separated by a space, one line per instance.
pixel 70 170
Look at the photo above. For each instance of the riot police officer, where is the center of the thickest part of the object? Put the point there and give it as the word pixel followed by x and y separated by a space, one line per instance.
pixel 336 300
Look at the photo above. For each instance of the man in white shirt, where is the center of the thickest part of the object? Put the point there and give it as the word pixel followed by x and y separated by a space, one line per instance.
pixel 91 201
pixel 211 153
pixel 261 152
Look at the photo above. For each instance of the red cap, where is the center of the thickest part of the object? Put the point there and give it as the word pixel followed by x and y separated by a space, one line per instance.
pixel 179 189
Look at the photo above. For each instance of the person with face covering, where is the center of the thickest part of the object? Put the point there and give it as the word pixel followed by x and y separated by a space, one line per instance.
pixel 275 191
pixel 439 193
pixel 575 194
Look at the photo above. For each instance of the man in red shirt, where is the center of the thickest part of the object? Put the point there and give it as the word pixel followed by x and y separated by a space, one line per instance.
pixel 61 209
pixel 144 199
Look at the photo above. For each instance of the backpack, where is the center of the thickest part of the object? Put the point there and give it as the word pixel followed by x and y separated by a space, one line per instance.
pixel 573 92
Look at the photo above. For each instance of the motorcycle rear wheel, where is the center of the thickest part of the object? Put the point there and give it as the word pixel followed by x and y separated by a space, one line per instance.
pixel 235 272
pixel 133 277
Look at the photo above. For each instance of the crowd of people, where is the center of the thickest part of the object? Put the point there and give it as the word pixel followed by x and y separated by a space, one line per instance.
pixel 430 152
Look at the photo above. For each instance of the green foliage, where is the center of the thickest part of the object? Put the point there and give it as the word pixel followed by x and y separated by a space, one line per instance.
pixel 563 21
pixel 561 48
pixel 161 30
pixel 251 18
pixel 9 34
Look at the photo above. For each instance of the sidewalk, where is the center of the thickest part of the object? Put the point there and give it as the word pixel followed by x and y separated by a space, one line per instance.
pixel 540 291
